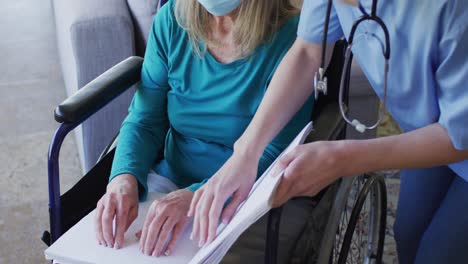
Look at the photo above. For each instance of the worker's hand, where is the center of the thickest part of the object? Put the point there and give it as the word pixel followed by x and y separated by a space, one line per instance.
pixel 120 203
pixel 308 169
pixel 235 179
pixel 165 222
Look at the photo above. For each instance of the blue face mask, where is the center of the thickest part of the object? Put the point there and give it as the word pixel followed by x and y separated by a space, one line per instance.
pixel 219 7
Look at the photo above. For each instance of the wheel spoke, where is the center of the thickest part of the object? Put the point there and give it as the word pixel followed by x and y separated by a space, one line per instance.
pixel 363 240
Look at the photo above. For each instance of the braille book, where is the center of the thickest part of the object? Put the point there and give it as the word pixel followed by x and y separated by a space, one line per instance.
pixel 79 245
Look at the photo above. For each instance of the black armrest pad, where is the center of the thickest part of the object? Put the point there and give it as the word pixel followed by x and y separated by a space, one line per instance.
pixel 99 92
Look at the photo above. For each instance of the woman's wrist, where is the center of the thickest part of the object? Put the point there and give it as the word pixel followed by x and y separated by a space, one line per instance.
pixel 126 179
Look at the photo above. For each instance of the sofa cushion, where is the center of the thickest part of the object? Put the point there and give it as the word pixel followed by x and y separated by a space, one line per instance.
pixel 142 12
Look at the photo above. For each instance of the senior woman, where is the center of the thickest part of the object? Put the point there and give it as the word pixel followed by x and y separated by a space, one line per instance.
pixel 206 69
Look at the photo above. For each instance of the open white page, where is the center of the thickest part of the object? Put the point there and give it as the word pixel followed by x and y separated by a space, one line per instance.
pixel 79 244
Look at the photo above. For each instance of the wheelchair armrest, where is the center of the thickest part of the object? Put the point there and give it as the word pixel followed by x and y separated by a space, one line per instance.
pixel 99 92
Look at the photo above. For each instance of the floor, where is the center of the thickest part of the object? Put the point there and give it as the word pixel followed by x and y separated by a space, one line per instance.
pixel 31 86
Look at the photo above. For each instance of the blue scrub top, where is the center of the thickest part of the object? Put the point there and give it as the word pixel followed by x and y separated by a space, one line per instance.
pixel 428 76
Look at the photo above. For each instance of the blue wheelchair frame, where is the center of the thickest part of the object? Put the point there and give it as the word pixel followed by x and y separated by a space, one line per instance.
pixel 74 111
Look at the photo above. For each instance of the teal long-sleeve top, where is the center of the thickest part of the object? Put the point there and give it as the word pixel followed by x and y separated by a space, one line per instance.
pixel 194 108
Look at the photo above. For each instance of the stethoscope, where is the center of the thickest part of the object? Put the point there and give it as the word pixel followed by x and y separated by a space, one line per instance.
pixel 320 80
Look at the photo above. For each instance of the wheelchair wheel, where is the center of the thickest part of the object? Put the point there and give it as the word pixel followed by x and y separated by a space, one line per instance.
pixel 361 230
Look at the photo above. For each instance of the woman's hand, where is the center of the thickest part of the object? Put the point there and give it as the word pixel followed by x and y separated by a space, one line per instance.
pixel 119 202
pixel 166 220
pixel 235 179
pixel 308 169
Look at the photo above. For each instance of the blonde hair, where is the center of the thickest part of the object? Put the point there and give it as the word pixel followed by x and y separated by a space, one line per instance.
pixel 256 22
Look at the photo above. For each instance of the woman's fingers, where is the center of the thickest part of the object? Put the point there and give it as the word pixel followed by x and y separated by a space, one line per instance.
pixel 193 204
pixel 214 215
pixel 176 233
pixel 107 221
pixel 146 225
pixel 120 197
pixel 202 217
pixel 153 234
pixel 161 240
pixel 156 218
pixel 98 223
pixel 197 196
pixel 192 212
pixel 121 219
pixel 164 216
pixel 230 209
pixel 238 172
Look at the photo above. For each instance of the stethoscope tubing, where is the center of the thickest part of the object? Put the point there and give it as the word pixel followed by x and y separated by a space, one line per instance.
pixel 345 76
pixel 379 21
pixel 343 82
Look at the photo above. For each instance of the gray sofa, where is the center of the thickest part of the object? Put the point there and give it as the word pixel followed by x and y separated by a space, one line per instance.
pixel 94 35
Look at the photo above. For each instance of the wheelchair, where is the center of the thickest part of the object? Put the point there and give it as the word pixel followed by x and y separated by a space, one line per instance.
pixel 349 229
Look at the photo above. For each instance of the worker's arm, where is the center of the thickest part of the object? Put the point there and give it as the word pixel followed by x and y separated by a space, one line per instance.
pixel 426 147
pixel 317 164
pixel 290 87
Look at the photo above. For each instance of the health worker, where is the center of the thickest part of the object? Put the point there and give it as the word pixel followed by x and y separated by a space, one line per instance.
pixel 415 56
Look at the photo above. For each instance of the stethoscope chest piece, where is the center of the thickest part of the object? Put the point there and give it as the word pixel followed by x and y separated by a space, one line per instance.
pixel 320 83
